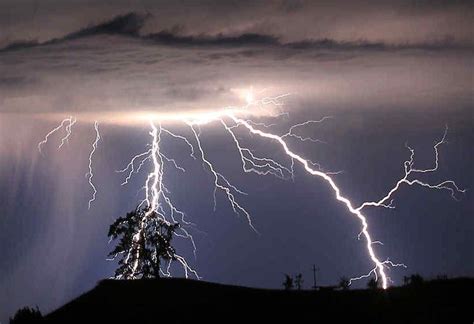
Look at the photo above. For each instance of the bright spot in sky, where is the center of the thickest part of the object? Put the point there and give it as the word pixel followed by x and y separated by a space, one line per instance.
pixel 253 107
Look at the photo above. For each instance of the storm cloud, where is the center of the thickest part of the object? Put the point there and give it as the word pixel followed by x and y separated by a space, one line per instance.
pixel 115 66
pixel 374 21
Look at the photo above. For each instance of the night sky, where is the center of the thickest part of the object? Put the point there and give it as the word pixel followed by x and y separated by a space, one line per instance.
pixel 388 74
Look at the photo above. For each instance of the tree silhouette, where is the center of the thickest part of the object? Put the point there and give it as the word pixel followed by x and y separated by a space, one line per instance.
pixel 27 315
pixel 144 241
pixel 406 280
pixel 344 283
pixel 416 280
pixel 372 284
pixel 299 281
pixel 288 283
pixel 413 280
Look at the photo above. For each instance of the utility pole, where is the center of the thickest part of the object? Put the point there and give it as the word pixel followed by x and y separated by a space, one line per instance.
pixel 314 276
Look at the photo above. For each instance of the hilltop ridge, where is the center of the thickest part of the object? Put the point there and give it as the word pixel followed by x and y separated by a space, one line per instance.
pixel 184 301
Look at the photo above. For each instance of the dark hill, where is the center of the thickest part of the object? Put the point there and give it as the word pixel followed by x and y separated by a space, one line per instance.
pixel 189 301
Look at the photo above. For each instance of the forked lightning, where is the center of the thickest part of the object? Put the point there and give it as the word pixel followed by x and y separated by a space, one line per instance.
pixel 157 196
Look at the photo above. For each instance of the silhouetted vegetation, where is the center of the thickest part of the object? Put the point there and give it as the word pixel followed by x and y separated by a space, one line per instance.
pixel 27 315
pixel 288 283
pixel 413 280
pixel 299 281
pixel 142 244
pixel 372 284
pixel 344 283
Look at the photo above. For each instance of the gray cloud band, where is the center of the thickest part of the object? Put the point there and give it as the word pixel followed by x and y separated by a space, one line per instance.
pixel 113 66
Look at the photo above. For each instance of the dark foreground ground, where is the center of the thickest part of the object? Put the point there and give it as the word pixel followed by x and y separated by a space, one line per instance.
pixel 189 301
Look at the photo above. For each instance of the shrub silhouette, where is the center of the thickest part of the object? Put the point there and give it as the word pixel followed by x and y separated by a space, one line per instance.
pixel 299 281
pixel 27 315
pixel 415 280
pixel 145 240
pixel 372 284
pixel 344 283
pixel 288 283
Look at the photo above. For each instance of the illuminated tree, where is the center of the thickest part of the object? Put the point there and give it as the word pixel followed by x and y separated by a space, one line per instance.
pixel 144 242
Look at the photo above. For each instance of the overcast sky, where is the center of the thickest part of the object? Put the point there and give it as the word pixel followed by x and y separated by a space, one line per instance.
pixel 388 72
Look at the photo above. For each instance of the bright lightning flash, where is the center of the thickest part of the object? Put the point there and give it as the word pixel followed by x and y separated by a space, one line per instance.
pixel 157 196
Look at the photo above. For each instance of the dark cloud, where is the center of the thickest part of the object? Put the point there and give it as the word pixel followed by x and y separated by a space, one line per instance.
pixel 394 22
pixel 290 6
pixel 128 25
pixel 168 38
pixel 125 25
pixel 446 44
pixel 16 45
pixel 15 81
pixel 131 24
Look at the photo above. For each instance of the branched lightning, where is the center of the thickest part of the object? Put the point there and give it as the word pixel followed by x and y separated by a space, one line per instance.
pixel 258 165
pixel 291 133
pixel 68 128
pixel 66 123
pixel 221 183
pixel 158 197
pixel 131 165
pixel 379 266
pixel 387 263
pixel 191 147
pixel 410 170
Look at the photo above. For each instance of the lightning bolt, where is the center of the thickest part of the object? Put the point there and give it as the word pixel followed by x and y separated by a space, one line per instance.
pixel 379 266
pixel 308 167
pixel 157 195
pixel 222 184
pixel 90 174
pixel 291 133
pixel 157 198
pixel 68 123
pixel 410 170
pixel 68 128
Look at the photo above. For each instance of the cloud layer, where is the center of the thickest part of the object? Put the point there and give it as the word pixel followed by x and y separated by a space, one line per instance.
pixel 114 66
pixel 393 22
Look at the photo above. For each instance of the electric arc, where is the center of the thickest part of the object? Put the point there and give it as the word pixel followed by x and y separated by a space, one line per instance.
pixel 234 121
